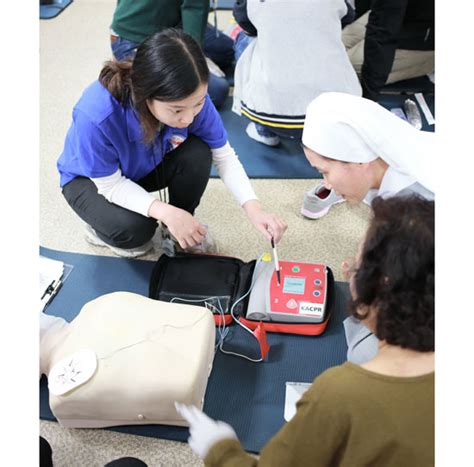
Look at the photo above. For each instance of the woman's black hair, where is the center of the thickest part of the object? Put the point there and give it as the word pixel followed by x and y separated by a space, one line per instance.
pixel 395 276
pixel 168 66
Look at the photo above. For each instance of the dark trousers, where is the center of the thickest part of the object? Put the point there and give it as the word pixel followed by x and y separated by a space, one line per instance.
pixel 46 458
pixel 185 171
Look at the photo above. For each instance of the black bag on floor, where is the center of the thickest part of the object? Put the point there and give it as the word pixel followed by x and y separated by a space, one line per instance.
pixel 199 279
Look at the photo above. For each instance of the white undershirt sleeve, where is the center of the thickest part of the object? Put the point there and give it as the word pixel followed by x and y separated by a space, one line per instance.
pixel 232 173
pixel 124 192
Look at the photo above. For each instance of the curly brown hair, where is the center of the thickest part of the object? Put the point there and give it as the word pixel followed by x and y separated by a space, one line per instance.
pixel 396 272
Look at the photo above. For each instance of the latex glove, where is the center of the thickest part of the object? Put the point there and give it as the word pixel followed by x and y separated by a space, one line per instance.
pixel 204 431
pixel 269 224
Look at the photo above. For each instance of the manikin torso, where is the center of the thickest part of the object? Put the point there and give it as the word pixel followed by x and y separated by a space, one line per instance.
pixel 142 355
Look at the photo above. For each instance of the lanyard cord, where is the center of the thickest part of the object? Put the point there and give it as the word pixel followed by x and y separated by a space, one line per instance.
pixel 163 196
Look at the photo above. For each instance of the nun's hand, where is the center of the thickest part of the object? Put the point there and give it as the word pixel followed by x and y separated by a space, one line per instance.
pixel 348 268
pixel 269 224
pixel 204 431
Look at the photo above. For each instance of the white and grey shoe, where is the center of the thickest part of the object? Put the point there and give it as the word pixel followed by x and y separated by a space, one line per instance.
pixel 251 130
pixel 318 201
pixel 91 237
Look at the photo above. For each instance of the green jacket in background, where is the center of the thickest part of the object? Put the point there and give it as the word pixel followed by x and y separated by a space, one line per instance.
pixel 135 20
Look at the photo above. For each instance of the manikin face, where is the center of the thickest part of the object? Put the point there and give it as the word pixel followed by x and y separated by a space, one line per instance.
pixel 350 180
pixel 179 114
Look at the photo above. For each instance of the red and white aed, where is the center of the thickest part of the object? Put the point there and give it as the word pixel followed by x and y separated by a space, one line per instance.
pixel 300 297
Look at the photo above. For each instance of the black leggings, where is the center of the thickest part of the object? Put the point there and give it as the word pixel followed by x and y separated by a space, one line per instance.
pixel 185 171
pixel 46 458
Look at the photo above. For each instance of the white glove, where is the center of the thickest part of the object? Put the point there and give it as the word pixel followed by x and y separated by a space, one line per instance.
pixel 204 431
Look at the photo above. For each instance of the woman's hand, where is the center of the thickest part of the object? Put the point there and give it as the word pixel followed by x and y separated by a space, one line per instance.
pixel 268 223
pixel 183 226
pixel 204 431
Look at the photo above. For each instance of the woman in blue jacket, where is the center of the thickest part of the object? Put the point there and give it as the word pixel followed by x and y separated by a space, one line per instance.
pixel 143 126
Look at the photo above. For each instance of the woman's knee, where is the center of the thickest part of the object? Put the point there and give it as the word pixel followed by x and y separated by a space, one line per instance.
pixel 132 231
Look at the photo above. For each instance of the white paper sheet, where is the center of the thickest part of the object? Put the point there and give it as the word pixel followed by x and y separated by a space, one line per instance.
pixel 293 394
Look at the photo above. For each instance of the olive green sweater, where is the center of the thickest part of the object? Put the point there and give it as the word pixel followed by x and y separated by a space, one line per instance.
pixel 136 20
pixel 349 417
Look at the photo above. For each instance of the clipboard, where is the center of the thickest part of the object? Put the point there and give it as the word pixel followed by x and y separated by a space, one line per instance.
pixel 52 275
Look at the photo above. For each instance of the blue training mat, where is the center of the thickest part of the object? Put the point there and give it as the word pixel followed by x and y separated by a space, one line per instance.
pixel 53 9
pixel 249 396
pixel 390 101
pixel 287 160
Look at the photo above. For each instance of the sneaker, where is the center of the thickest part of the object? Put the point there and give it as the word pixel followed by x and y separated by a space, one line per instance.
pixel 170 245
pixel 251 130
pixel 318 201
pixel 91 237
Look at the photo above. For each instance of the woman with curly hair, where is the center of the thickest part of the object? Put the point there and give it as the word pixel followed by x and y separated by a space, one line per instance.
pixel 380 412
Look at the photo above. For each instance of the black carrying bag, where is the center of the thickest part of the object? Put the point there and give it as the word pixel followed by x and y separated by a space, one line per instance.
pixel 193 279
pixel 218 282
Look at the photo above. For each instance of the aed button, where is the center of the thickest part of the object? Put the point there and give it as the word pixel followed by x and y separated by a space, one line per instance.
pixel 316 293
pixel 317 281
pixel 295 269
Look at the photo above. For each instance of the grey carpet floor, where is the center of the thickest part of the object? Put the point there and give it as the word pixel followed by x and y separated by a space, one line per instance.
pixel 73 47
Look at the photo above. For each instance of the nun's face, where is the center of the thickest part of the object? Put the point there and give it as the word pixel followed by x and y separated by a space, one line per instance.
pixel 347 179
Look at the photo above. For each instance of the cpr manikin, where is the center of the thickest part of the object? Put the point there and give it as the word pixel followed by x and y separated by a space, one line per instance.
pixel 125 359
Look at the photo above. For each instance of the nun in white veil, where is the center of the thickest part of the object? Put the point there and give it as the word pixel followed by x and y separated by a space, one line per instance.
pixel 363 150
pixel 383 152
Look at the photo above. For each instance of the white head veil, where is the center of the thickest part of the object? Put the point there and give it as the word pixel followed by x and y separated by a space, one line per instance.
pixel 353 129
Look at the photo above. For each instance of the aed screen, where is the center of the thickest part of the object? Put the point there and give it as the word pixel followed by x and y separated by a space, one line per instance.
pixel 294 285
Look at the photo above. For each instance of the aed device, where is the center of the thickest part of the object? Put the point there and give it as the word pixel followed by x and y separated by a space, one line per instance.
pixel 300 297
